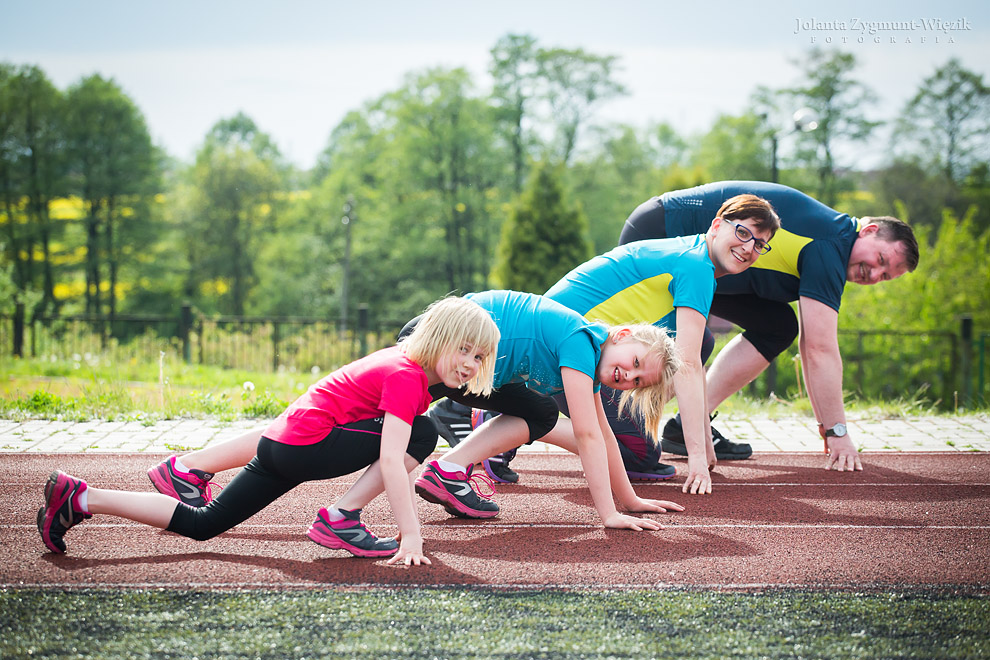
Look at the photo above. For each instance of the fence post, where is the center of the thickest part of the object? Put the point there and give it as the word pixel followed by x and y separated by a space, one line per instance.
pixel 363 327
pixel 19 329
pixel 185 327
pixel 966 335
pixel 275 342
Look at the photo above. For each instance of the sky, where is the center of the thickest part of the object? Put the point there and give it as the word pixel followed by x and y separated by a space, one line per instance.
pixel 296 67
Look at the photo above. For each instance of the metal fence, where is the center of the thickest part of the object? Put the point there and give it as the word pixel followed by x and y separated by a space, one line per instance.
pixel 248 343
pixel 946 368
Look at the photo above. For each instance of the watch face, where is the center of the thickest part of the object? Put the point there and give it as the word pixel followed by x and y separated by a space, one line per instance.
pixel 839 429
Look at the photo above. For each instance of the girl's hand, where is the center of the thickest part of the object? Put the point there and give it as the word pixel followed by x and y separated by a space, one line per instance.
pixel 622 521
pixel 410 551
pixel 653 506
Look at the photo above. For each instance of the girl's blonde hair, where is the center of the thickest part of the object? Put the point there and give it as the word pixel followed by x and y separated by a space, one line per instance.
pixel 448 324
pixel 649 401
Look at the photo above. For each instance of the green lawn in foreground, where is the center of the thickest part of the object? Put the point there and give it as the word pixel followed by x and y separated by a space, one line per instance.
pixel 459 623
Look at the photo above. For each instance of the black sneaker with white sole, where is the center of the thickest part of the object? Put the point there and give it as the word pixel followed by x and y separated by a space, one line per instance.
pixel 725 449
pixel 452 419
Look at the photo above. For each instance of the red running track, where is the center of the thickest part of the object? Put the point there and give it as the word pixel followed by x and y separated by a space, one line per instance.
pixel 777 520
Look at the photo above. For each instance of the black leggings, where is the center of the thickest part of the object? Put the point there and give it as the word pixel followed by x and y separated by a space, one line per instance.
pixel 278 468
pixel 538 411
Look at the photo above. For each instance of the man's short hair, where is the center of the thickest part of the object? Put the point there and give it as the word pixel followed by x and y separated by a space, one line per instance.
pixel 745 207
pixel 893 230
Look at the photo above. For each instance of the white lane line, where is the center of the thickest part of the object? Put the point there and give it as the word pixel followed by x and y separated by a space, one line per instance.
pixel 497 526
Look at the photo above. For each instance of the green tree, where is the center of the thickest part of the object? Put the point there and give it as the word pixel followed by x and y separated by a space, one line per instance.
pixel 514 72
pixel 735 148
pixel 114 165
pixel 543 237
pixel 573 84
pixel 838 101
pixel 911 192
pixel 236 177
pixel 947 121
pixel 32 175
pixel 613 179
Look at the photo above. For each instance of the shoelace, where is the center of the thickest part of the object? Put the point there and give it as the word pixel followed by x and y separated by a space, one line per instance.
pixel 207 487
pixel 478 479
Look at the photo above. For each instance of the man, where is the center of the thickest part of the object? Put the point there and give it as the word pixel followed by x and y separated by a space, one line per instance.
pixel 814 254
pixel 670 283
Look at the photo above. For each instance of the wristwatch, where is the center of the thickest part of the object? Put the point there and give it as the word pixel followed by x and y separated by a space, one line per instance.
pixel 836 431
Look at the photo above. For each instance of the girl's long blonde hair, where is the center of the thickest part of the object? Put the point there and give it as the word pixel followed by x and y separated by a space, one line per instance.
pixel 649 401
pixel 448 324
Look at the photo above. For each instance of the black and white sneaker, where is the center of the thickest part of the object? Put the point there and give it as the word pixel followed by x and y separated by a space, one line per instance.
pixel 725 449
pixel 452 419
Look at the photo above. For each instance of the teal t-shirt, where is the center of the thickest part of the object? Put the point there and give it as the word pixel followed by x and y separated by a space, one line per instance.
pixel 538 337
pixel 641 282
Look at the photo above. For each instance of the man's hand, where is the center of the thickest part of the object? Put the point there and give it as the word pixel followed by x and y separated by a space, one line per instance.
pixel 842 454
pixel 698 480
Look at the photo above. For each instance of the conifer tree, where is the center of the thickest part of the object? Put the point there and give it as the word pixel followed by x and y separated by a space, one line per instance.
pixel 543 238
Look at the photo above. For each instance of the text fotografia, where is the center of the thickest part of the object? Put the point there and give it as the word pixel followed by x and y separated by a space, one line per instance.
pixel 858 30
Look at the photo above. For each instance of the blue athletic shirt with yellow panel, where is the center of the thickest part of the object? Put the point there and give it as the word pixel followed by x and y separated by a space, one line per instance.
pixel 538 337
pixel 809 253
pixel 641 282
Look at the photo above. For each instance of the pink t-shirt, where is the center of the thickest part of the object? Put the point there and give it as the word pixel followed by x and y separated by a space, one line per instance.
pixel 384 382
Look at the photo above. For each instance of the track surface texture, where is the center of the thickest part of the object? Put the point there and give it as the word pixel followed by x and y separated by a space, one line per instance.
pixel 778 520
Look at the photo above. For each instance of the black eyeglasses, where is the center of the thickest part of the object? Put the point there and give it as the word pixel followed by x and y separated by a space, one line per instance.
pixel 745 235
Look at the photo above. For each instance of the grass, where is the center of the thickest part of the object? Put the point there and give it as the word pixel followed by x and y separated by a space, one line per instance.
pixel 462 623
pixel 75 391
pixel 87 389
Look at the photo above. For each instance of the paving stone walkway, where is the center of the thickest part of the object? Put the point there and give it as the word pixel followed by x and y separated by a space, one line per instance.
pixel 951 433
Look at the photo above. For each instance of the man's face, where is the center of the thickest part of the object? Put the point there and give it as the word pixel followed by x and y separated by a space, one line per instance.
pixel 873 259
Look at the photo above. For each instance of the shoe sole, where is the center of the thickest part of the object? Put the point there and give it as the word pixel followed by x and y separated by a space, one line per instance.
pixel 491 473
pixel 649 476
pixel 161 483
pixel 46 514
pixel 333 541
pixel 432 492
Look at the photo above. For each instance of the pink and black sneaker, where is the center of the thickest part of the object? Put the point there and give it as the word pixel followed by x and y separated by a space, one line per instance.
pixel 192 488
pixel 349 534
pixel 61 511
pixel 455 492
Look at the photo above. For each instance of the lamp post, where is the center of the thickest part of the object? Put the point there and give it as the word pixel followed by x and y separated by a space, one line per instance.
pixel 349 217
pixel 803 120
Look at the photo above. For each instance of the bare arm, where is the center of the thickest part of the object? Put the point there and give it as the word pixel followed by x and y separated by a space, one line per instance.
pixel 588 435
pixel 822 364
pixel 618 479
pixel 689 387
pixel 392 459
